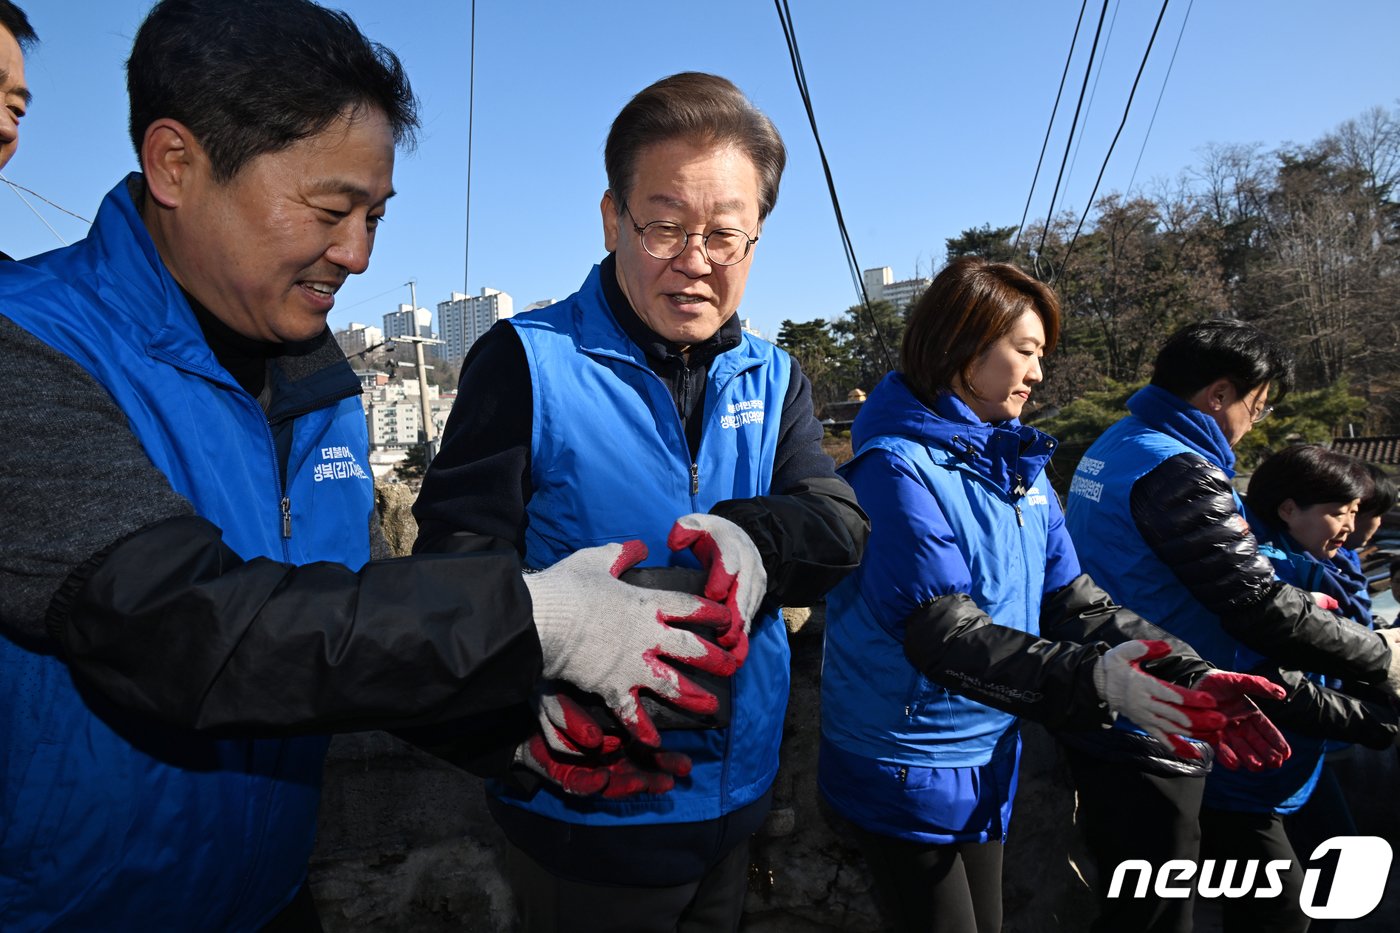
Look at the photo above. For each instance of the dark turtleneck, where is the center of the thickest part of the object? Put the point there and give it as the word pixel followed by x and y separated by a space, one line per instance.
pixel 245 359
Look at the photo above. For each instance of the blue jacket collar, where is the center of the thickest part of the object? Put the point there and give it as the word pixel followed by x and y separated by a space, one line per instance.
pixel 1179 419
pixel 160 311
pixel 1007 453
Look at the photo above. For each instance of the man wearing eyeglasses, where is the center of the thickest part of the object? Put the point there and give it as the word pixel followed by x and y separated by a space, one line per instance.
pixel 1155 520
pixel 638 408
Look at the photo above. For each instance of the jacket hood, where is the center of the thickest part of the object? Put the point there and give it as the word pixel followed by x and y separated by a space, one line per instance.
pixel 1008 453
pixel 1177 418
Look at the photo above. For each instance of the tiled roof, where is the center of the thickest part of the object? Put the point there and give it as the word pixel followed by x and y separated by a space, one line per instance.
pixel 1383 450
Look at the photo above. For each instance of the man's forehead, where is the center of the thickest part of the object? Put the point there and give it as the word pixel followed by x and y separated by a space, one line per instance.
pixel 333 184
pixel 726 206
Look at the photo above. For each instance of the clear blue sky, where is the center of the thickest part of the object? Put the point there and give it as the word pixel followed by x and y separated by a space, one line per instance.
pixel 932 115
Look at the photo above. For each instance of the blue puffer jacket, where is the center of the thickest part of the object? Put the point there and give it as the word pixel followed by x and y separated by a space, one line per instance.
pixel 145 827
pixel 956 506
pixel 610 462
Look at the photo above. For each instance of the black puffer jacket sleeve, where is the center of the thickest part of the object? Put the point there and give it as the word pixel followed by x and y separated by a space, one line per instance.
pixel 170 622
pixel 954 643
pixel 1185 511
pixel 1048 679
pixel 1311 709
pixel 1082 612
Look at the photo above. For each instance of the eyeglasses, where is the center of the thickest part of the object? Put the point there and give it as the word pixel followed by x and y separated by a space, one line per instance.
pixel 663 239
pixel 1261 414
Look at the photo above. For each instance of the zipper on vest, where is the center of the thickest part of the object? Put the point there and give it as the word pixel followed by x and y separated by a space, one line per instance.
pixel 1020 519
pixel 695 479
pixel 286 517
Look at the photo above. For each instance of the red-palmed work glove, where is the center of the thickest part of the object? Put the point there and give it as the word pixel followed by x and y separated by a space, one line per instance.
pixel 611 776
pixel 736 574
pixel 569 728
pixel 1248 739
pixel 1163 711
pixel 1326 602
pixel 609 638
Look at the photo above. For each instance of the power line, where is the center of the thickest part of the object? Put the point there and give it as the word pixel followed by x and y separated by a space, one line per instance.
pixel 1122 123
pixel 371 298
pixel 1160 94
pixel 471 111
pixel 1093 93
pixel 20 191
pixel 1015 244
pixel 1088 69
pixel 790 35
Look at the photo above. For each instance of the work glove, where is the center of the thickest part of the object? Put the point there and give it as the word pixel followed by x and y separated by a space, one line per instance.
pixel 1248 739
pixel 609 638
pixel 736 574
pixel 569 728
pixel 612 776
pixel 1159 708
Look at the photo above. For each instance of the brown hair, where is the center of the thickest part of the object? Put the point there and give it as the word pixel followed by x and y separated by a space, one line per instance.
pixel 699 106
pixel 969 306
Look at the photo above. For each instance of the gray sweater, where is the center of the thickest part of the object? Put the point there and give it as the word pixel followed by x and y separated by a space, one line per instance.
pixel 74 481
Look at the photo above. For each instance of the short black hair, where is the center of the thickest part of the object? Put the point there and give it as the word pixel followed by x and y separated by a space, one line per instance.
pixel 696 106
pixel 1199 354
pixel 1306 473
pixel 17 25
pixel 1381 493
pixel 254 76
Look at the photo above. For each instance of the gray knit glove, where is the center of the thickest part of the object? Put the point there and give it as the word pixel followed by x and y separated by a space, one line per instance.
pixel 613 639
pixel 1161 709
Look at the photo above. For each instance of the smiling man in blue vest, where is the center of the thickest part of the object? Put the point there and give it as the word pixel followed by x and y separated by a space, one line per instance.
pixel 638 408
pixel 187 604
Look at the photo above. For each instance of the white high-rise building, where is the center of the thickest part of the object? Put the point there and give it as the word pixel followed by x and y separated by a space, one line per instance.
pixel 880 285
pixel 408 321
pixel 393 411
pixel 358 337
pixel 462 319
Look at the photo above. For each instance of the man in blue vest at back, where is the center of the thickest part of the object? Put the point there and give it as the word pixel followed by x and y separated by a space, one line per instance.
pixel 1157 523
pixel 639 408
pixel 187 604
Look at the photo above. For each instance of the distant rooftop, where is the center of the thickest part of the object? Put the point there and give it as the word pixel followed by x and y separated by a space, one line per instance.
pixel 1382 450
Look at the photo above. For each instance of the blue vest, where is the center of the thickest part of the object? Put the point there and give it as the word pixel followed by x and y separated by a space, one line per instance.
pixel 112 822
pixel 1112 551
pixel 890 711
pixel 609 462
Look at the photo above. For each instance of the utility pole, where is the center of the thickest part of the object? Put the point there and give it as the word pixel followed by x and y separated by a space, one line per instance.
pixel 429 430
